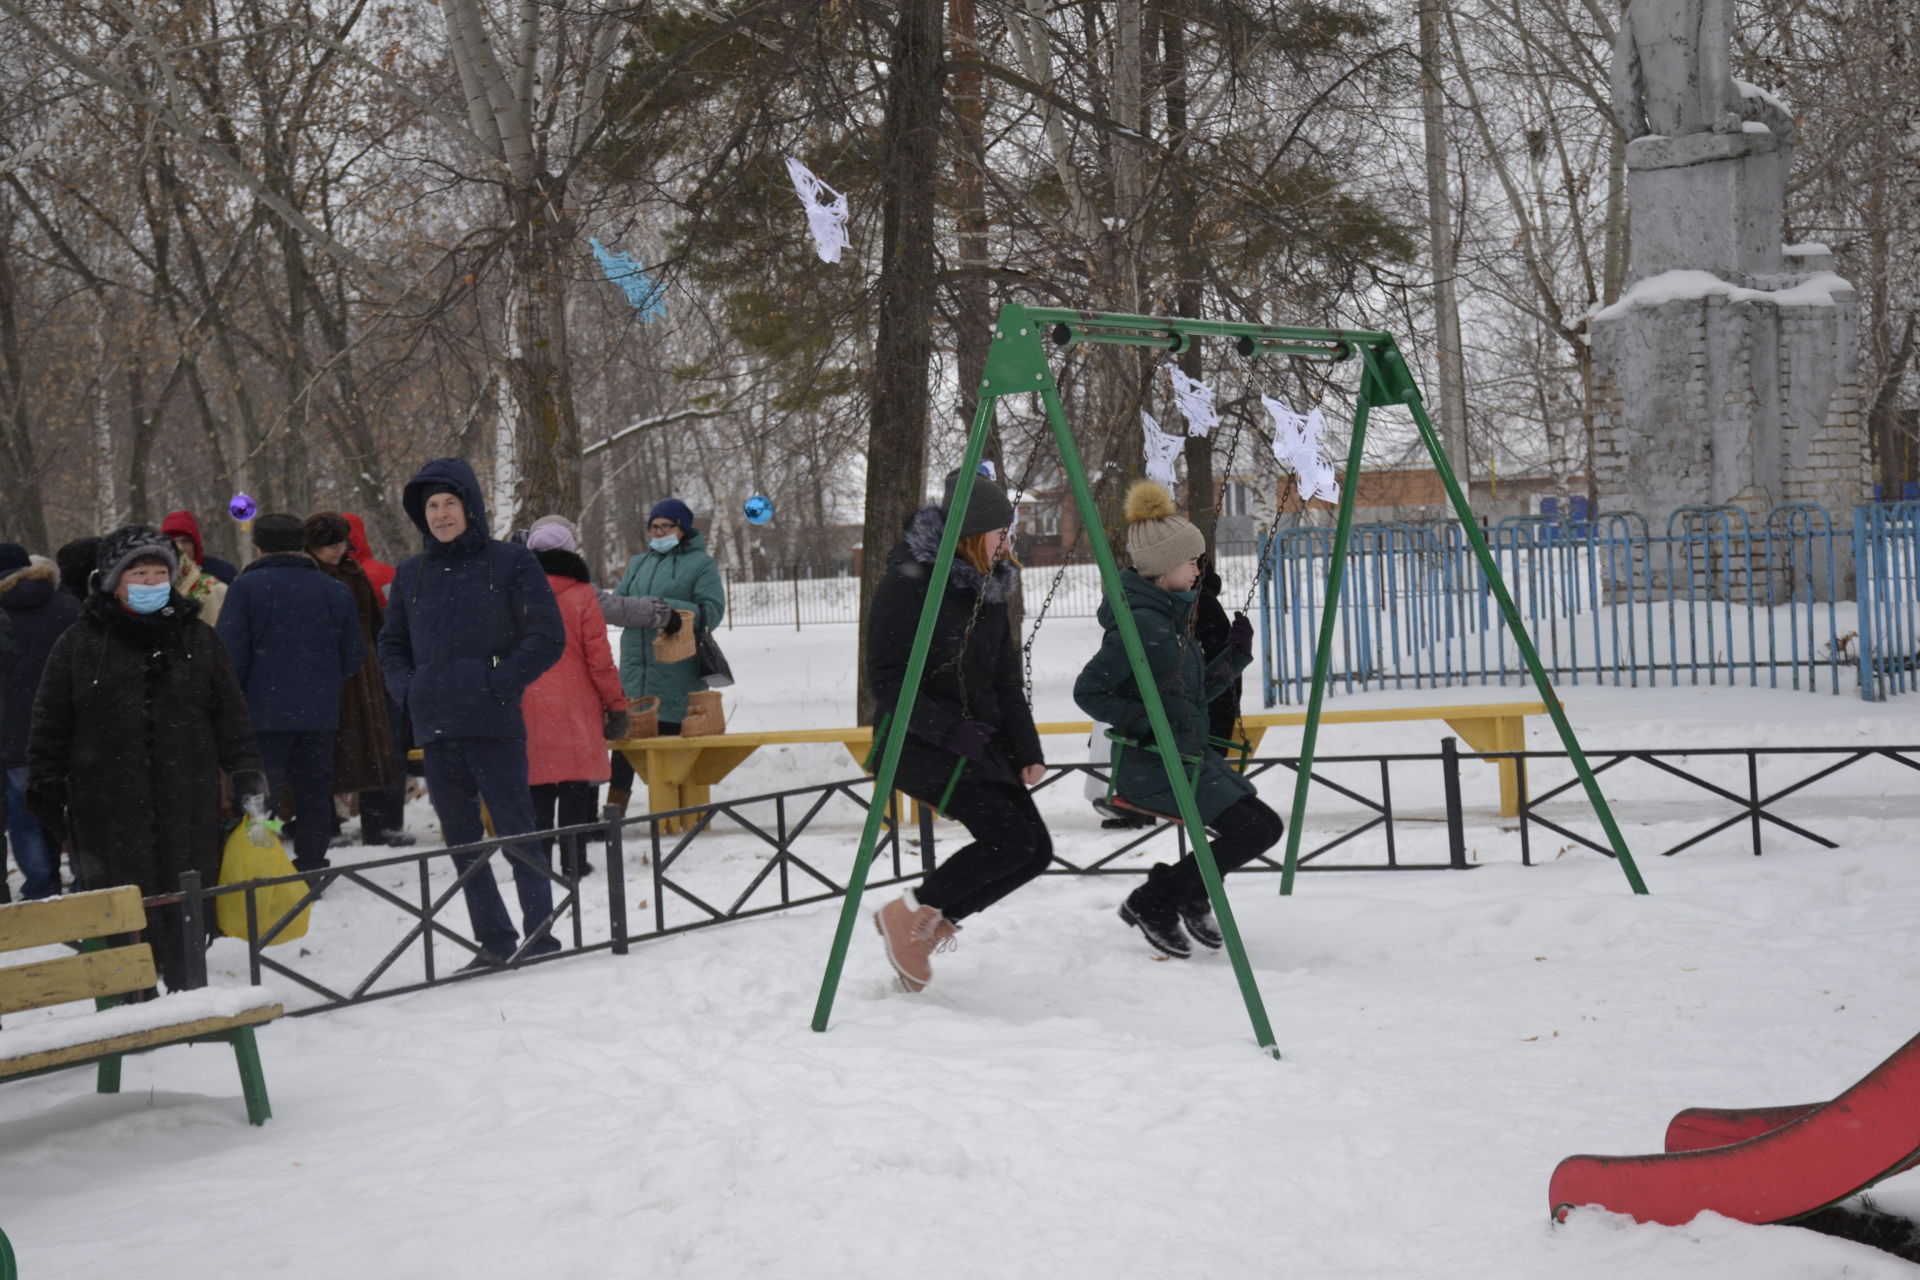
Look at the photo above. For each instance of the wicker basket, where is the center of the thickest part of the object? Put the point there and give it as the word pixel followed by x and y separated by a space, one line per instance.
pixel 643 718
pixel 704 714
pixel 677 647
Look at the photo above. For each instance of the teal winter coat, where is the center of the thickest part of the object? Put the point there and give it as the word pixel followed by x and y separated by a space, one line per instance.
pixel 685 578
pixel 1187 683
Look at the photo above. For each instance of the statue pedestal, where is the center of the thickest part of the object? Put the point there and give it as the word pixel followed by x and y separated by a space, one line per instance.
pixel 1708 202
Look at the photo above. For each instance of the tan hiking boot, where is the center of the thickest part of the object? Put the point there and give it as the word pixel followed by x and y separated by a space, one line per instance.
pixel 912 934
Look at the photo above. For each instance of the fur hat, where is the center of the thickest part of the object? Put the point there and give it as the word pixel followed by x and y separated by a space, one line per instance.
pixel 277 533
pixel 553 533
pixel 326 529
pixel 121 548
pixel 1158 539
pixel 987 506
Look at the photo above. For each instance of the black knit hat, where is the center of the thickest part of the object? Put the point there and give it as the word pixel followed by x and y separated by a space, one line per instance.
pixel 277 533
pixel 987 506
pixel 121 548
pixel 327 529
pixel 13 557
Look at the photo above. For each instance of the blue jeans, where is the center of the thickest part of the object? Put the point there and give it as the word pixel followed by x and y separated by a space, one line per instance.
pixel 38 862
pixel 459 776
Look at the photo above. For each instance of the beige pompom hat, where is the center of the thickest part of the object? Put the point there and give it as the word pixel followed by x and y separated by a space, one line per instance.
pixel 1159 540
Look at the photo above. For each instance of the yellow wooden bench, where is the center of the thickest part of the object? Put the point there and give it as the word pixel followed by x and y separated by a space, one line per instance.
pixel 104 974
pixel 680 772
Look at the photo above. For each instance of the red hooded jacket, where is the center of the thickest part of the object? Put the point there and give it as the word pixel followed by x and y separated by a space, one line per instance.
pixel 378 572
pixel 182 524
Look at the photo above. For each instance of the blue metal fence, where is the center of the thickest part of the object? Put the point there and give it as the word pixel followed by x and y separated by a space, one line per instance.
pixel 1713 596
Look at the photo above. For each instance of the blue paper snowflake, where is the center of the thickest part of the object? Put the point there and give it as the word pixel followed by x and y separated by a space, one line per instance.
pixel 648 298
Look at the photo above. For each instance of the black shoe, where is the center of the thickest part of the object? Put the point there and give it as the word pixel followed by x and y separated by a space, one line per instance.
pixel 485 960
pixel 1201 926
pixel 545 947
pixel 1157 922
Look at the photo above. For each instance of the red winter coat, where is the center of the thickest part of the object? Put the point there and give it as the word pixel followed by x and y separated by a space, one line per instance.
pixel 565 708
pixel 378 573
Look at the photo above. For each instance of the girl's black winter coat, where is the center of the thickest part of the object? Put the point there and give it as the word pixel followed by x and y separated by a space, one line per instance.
pixel 973 665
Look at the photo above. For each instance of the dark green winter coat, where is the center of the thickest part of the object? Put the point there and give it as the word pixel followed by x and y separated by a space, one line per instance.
pixel 685 578
pixel 1187 683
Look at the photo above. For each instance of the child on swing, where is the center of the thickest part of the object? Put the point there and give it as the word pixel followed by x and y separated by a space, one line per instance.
pixel 971 747
pixel 1171 909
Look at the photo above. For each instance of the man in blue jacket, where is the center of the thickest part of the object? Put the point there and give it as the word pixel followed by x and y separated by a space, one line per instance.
pixel 294 636
pixel 471 622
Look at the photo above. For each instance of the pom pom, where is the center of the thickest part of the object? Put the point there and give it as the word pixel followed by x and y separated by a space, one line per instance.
pixel 1148 500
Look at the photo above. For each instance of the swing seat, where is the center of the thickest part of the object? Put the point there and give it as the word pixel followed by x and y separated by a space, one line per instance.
pixel 1127 806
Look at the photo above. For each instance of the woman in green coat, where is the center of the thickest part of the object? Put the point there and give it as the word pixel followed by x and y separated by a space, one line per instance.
pixel 674 570
pixel 1171 909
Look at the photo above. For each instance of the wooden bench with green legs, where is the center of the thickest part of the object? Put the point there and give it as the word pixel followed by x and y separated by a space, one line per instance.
pixel 105 974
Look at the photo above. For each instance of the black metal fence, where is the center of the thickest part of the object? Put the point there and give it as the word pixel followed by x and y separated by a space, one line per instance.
pixel 736 859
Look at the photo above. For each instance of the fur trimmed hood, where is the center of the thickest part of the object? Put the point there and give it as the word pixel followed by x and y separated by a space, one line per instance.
pixel 921 542
pixel 41 570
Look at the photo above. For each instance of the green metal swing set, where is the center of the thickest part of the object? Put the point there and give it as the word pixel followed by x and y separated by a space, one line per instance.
pixel 1017 365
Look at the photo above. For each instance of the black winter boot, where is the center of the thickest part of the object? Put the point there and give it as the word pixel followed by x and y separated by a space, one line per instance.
pixel 1157 920
pixel 1204 929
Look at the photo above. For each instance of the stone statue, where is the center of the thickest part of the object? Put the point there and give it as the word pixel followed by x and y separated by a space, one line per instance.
pixel 1672 73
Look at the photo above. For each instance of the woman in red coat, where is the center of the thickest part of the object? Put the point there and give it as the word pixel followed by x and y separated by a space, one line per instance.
pixel 573 709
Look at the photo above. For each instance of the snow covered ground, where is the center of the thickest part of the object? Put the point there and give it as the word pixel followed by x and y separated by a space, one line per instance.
pixel 1059 1103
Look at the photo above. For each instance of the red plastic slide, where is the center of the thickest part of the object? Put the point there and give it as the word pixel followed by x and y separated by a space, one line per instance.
pixel 1769 1164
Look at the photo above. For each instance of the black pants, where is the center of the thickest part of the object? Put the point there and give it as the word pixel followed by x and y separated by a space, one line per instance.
pixel 302 763
pixel 565 804
pixel 622 779
pixel 1010 847
pixel 1242 833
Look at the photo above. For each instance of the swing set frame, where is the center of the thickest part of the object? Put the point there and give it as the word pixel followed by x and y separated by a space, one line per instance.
pixel 1017 365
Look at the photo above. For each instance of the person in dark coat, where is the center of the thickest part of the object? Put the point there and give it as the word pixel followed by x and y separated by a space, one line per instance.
pixel 39 612
pixel 137 714
pixel 471 622
pixel 971 747
pixel 76 560
pixel 294 638
pixel 1214 630
pixel 364 761
pixel 1171 909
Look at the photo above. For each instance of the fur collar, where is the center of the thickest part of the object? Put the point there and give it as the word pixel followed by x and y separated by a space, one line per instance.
pixel 39 571
pixel 563 564
pixel 922 543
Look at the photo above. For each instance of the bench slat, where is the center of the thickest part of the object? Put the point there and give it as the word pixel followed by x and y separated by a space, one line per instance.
pixel 86 976
pixel 69 919
pixel 133 1041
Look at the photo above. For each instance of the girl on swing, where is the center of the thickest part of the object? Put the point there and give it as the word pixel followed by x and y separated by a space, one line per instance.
pixel 970 748
pixel 1171 909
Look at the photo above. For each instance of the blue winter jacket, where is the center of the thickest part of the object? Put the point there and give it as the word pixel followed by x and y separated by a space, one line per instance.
pixel 470 623
pixel 293 634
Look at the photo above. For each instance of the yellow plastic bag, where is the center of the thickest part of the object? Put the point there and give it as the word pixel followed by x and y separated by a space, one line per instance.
pixel 258 856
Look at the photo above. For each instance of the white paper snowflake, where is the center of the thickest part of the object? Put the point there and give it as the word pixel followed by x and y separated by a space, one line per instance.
pixel 826 211
pixel 1196 402
pixel 1297 441
pixel 1162 451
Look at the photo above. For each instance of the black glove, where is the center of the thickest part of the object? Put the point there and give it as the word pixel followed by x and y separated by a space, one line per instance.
pixel 969 738
pixel 1240 636
pixel 674 623
pixel 47 802
pixel 614 726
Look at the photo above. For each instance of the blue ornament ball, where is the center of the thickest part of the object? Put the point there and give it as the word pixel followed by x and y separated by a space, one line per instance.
pixel 759 509
pixel 242 507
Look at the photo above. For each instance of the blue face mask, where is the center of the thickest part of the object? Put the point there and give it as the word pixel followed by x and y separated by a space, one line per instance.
pixel 664 544
pixel 148 599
